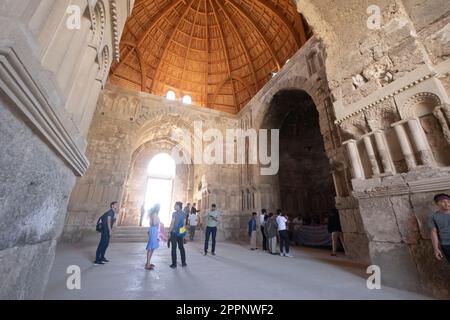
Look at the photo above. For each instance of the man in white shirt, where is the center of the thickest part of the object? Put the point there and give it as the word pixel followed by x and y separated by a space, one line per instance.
pixel 193 219
pixel 284 236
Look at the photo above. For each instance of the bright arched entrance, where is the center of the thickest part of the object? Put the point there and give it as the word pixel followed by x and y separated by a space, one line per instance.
pixel 160 178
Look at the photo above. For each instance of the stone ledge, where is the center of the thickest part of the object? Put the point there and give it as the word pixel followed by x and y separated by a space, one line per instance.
pixel 421 180
pixel 17 83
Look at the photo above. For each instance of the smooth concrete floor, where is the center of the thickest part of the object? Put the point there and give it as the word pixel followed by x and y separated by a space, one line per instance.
pixel 234 273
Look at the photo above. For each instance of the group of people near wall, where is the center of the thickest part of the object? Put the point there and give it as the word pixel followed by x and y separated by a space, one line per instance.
pixel 274 228
pixel 279 228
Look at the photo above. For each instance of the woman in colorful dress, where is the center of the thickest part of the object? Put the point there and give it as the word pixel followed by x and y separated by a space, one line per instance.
pixel 153 236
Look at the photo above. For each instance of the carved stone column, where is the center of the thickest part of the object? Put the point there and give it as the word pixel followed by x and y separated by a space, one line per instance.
pixel 426 156
pixel 355 160
pixel 405 145
pixel 442 113
pixel 371 154
pixel 383 151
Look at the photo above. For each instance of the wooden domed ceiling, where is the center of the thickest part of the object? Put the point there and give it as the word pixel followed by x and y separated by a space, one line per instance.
pixel 219 52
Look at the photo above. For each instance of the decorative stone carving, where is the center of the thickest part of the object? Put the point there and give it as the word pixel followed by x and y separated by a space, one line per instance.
pixel 382 115
pixel 358 81
pixel 419 105
pixel 380 71
pixel 355 126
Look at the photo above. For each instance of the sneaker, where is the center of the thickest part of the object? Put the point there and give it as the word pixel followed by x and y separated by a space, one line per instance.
pixel 213 254
pixel 97 263
pixel 184 265
pixel 288 255
pixel 173 266
pixel 281 254
pixel 105 260
pixel 205 253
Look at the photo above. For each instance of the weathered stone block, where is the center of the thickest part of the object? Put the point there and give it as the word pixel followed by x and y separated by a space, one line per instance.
pixel 28 282
pixel 379 219
pixel 347 221
pixel 406 219
pixel 398 268
pixel 357 247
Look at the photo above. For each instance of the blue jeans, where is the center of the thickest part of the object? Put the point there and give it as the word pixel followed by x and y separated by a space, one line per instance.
pixel 102 246
pixel 210 231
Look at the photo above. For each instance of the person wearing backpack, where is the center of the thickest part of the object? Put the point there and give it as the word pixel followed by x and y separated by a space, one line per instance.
pixel 104 226
pixel 177 232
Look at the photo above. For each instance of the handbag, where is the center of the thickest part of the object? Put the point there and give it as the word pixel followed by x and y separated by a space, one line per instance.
pixel 181 230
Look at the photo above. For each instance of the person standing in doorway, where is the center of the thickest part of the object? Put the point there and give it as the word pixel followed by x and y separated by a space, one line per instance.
pixel 177 231
pixel 439 224
pixel 153 235
pixel 334 228
pixel 262 221
pixel 212 217
pixel 284 236
pixel 105 222
pixel 252 231
pixel 193 220
pixel 141 221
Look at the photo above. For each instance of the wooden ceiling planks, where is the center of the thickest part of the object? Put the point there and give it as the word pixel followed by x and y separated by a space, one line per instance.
pixel 220 52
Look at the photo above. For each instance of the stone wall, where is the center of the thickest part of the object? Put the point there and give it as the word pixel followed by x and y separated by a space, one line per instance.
pixel 50 77
pixel 34 195
pixel 130 128
pixel 390 96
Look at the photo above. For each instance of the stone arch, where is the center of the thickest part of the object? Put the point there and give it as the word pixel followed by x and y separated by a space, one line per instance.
pixel 136 178
pixel 292 83
pixel 419 105
pixel 165 125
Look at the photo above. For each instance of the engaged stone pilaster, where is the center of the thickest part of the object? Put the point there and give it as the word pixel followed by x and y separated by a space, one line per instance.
pixel 383 152
pixel 405 144
pixel 371 154
pixel 355 160
pixel 421 142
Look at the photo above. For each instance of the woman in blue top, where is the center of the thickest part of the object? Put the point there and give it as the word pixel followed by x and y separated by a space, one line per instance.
pixel 153 235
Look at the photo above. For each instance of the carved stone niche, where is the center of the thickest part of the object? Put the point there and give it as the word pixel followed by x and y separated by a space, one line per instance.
pixel 426 107
pixel 122 107
pixel 354 127
pixel 419 105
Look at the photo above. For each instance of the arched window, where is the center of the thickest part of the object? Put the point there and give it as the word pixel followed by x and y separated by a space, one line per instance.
pixel 187 99
pixel 171 95
pixel 160 178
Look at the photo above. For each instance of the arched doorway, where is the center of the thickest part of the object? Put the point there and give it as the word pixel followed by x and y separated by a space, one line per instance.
pixel 304 178
pixel 159 188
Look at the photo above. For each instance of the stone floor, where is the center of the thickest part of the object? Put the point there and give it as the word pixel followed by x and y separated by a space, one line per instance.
pixel 235 273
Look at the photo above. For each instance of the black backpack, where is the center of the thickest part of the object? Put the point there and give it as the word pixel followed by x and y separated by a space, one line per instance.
pixel 99 226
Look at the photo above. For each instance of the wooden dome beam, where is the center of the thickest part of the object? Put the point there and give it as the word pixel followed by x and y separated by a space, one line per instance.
pixel 242 43
pixel 190 41
pixel 231 79
pixel 207 53
pixel 172 35
pixel 261 34
pixel 225 49
pixel 150 26
pixel 298 40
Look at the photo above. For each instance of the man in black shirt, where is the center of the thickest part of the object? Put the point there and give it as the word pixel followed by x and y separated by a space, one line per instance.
pixel 107 221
